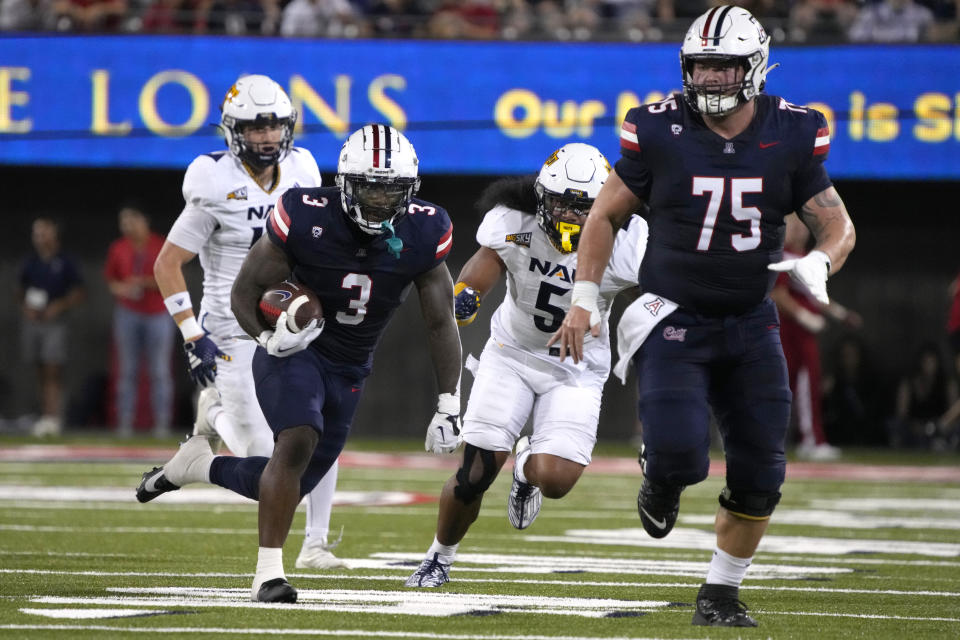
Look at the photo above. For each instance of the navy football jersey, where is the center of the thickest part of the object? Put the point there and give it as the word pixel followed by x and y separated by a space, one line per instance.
pixel 360 283
pixel 717 205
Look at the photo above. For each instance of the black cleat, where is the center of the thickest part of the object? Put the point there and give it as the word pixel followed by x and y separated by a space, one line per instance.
pixel 153 484
pixel 658 506
pixel 718 605
pixel 277 590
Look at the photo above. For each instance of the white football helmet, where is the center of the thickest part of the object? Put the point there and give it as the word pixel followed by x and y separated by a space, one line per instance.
pixel 377 176
pixel 725 34
pixel 566 187
pixel 256 100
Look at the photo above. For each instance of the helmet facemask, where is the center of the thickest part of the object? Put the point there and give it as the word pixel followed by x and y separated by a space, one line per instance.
pixel 562 216
pixel 260 155
pixel 370 202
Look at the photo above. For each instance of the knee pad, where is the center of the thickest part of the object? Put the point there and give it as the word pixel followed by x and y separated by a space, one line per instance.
pixel 467 491
pixel 749 506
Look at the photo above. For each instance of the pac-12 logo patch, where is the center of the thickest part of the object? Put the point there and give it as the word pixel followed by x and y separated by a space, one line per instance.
pixel 317 231
pixel 676 129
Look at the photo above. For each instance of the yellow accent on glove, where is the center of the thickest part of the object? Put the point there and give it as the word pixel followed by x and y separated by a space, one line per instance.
pixel 465 301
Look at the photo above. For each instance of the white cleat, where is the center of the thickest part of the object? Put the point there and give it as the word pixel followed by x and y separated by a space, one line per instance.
pixel 430 574
pixel 523 504
pixel 209 397
pixel 190 464
pixel 319 556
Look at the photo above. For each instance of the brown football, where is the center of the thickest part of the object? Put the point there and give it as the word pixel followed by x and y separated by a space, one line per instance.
pixel 301 305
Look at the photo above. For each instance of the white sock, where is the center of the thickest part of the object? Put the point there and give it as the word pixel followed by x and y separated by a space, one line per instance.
pixel 519 463
pixel 727 569
pixel 269 566
pixel 447 553
pixel 319 504
pixel 213 412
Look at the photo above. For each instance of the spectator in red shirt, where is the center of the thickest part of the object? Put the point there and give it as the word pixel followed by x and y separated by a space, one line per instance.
pixel 802 318
pixel 141 327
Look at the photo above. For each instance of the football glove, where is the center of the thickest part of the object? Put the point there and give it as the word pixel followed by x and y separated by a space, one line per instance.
pixel 281 342
pixel 811 271
pixel 465 303
pixel 202 355
pixel 443 432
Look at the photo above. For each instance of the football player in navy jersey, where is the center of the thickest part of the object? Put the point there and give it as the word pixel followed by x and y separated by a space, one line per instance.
pixel 358 246
pixel 719 166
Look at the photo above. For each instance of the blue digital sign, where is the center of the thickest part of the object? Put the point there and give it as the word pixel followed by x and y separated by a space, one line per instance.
pixel 482 108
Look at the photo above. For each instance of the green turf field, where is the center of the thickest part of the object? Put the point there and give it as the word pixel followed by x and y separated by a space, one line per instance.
pixel 854 551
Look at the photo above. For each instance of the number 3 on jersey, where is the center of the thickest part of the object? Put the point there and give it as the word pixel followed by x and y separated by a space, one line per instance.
pixel 358 305
pixel 703 185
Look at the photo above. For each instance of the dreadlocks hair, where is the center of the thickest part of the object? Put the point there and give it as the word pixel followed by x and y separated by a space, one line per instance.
pixel 515 193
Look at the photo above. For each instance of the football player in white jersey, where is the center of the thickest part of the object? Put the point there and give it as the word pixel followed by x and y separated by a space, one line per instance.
pixel 529 234
pixel 229 195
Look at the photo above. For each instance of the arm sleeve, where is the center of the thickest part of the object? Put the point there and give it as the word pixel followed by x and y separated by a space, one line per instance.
pixel 195 224
pixel 811 176
pixel 631 166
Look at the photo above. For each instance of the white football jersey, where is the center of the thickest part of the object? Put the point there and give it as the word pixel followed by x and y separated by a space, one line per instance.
pixel 540 278
pixel 224 215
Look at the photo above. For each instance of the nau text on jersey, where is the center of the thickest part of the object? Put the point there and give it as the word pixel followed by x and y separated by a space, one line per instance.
pixel 259 212
pixel 549 269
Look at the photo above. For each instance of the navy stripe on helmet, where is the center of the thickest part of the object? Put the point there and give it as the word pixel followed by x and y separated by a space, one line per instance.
pixel 717 32
pixel 387 131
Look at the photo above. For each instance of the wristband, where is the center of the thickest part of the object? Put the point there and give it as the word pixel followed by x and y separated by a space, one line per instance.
pixel 449 404
pixel 177 302
pixel 585 294
pixel 190 328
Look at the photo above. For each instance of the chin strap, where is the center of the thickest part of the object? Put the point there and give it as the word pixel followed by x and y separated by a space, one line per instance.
pixel 394 244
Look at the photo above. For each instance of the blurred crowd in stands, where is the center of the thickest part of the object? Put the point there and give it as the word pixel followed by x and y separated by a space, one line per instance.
pixel 793 21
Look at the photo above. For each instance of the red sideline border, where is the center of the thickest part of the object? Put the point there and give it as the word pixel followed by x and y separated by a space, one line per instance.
pixel 366 459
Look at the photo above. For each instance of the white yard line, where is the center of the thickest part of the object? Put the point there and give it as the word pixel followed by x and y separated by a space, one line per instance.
pixel 575 581
pixel 286 631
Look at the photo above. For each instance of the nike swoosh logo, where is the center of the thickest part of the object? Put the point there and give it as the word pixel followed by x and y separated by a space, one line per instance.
pixel 660 524
pixel 767 145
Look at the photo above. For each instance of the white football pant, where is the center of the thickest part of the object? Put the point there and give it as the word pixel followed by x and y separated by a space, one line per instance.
pixel 510 384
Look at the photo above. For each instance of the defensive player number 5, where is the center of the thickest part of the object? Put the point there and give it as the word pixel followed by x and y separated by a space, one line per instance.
pixel 703 185
pixel 551 324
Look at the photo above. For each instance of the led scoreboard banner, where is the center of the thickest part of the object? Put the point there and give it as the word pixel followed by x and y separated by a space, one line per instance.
pixel 477 107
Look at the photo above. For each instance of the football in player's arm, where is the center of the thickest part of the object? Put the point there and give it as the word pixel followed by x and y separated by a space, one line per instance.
pixel 358 247
pixel 530 233
pixel 720 167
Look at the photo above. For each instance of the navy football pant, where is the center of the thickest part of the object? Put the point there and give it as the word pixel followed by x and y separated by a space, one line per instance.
pixel 735 365
pixel 303 389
